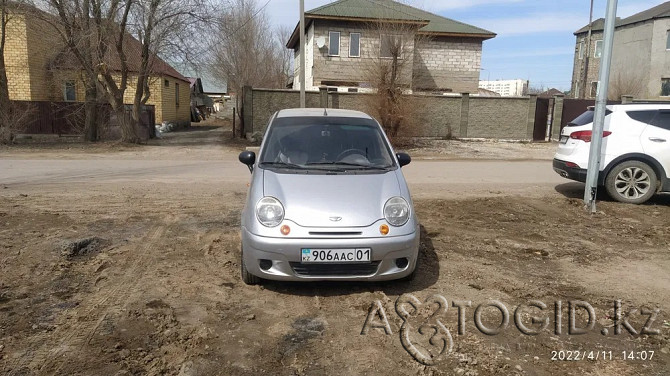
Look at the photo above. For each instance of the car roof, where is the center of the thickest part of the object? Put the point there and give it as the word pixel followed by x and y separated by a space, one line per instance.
pixel 639 106
pixel 311 112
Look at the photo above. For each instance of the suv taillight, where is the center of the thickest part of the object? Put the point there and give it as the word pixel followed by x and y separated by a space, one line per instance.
pixel 586 135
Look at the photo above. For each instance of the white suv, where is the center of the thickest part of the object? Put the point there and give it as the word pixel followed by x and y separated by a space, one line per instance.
pixel 635 159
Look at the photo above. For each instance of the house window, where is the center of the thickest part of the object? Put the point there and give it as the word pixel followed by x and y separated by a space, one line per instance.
pixel 667 43
pixel 176 94
pixel 355 45
pixel 599 49
pixel 581 50
pixel 665 87
pixel 334 45
pixel 390 45
pixel 167 83
pixel 69 91
pixel 577 89
pixel 594 89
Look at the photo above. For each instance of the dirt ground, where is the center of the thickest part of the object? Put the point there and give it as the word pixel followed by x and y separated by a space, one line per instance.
pixel 155 289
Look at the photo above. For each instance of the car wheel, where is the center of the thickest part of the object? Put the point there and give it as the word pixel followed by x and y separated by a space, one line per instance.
pixel 247 277
pixel 632 182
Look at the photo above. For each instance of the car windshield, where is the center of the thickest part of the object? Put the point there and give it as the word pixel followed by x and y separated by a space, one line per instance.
pixel 326 143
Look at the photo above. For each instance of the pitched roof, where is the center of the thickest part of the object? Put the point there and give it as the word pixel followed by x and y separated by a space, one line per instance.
pixel 598 25
pixel 659 11
pixel 65 59
pixel 392 10
pixel 211 83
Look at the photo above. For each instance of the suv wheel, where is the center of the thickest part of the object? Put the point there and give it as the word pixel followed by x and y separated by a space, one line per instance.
pixel 247 277
pixel 632 182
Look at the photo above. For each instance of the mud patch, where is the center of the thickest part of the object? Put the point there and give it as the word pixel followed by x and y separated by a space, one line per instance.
pixel 304 329
pixel 82 247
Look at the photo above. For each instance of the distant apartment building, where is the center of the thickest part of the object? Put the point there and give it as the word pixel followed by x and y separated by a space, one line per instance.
pixel 506 88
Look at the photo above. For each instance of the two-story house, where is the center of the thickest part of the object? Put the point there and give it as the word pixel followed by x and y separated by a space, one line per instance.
pixel 341 37
pixel 640 55
pixel 40 68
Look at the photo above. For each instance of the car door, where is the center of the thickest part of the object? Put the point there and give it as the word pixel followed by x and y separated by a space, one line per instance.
pixel 655 139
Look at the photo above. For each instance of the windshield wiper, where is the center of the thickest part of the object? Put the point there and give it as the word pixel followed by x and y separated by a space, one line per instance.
pixel 349 164
pixel 281 165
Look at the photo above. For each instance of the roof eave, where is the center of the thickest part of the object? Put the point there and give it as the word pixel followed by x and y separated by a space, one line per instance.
pixel 460 35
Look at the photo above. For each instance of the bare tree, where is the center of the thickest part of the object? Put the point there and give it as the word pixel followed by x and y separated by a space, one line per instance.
pixel 246 49
pixel 389 73
pixel 158 24
pixel 625 83
pixel 283 56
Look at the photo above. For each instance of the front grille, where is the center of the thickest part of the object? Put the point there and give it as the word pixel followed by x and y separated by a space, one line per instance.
pixel 335 233
pixel 335 270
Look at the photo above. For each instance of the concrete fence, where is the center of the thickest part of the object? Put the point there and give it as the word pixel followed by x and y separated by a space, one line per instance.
pixel 459 115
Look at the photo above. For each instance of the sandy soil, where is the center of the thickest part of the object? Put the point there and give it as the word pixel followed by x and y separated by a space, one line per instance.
pixel 157 290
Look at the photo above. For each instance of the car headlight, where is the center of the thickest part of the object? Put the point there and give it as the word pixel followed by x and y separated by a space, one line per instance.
pixel 396 211
pixel 269 211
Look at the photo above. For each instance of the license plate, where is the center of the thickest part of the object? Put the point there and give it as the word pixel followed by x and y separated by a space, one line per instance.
pixel 564 139
pixel 336 255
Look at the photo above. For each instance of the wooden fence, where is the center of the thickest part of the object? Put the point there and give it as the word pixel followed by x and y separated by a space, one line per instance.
pixel 67 118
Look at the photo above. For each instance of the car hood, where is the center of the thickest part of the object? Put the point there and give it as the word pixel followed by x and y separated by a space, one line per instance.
pixel 332 200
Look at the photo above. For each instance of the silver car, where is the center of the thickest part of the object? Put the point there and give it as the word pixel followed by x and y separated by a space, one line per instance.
pixel 327 201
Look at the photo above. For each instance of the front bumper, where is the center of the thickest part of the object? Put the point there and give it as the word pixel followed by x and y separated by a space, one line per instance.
pixel 285 254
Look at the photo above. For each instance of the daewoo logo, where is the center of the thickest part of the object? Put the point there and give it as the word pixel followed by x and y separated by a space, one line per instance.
pixel 335 219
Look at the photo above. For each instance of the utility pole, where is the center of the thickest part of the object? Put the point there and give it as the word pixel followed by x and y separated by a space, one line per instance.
pixel 588 53
pixel 593 169
pixel 303 51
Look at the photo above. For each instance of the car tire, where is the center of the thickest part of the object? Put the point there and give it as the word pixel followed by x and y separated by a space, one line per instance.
pixel 247 277
pixel 631 182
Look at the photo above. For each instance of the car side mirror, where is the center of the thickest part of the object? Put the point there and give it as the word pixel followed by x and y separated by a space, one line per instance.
pixel 403 159
pixel 248 158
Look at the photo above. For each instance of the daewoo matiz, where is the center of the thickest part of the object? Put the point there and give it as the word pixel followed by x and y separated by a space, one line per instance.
pixel 327 201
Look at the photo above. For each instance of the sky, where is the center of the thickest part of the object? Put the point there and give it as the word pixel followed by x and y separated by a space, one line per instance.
pixel 535 38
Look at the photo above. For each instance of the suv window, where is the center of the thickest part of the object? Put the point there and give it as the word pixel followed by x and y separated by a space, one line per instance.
pixel 662 119
pixel 585 118
pixel 642 116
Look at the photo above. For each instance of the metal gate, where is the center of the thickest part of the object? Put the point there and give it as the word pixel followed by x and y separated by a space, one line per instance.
pixel 542 111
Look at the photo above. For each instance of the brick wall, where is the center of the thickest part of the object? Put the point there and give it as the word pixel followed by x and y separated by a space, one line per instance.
pixel 43 43
pixel 579 65
pixel 344 67
pixel 437 116
pixel 16 58
pixel 167 107
pixel 498 117
pixel 435 63
pixel 448 64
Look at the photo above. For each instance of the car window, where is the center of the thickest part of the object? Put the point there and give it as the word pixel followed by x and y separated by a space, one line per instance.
pixel 662 119
pixel 320 142
pixel 585 118
pixel 642 116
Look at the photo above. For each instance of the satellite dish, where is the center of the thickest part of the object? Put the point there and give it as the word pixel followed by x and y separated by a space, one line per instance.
pixel 321 42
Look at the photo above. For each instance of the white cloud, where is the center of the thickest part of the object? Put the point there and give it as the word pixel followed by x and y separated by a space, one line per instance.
pixel 438 6
pixel 531 24
pixel 554 51
pixel 287 12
